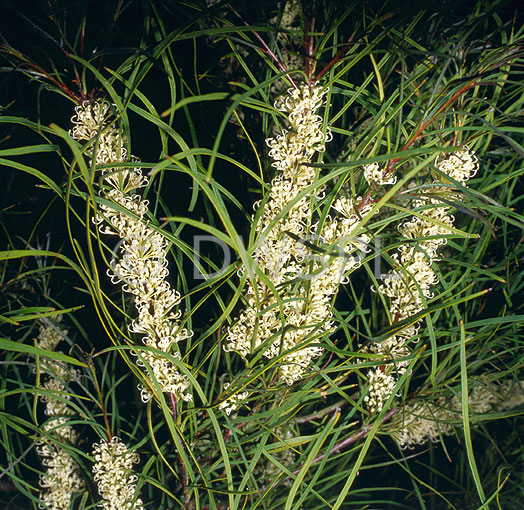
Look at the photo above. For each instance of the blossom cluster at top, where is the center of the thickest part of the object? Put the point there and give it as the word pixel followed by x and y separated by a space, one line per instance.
pixel 113 473
pixel 409 284
pixel 426 420
pixel 289 307
pixel 142 265
pixel 62 475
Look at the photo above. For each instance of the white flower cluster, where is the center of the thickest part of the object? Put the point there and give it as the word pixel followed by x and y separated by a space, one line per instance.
pixel 142 266
pixel 460 166
pixel 410 285
pixel 374 175
pixel 234 402
pixel 113 473
pixel 426 420
pixel 60 480
pixel 288 322
pixel 62 476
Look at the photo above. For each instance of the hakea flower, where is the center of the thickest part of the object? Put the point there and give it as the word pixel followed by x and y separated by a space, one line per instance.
pixel 410 285
pixel 290 323
pixel 113 473
pixel 234 402
pixel 142 266
pixel 425 420
pixel 62 475
pixel 374 175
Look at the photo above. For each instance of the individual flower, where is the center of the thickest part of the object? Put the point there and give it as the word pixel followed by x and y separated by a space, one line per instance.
pixel 460 165
pixel 142 263
pixel 114 475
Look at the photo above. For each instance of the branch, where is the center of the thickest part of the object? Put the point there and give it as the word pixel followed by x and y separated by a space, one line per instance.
pixel 183 471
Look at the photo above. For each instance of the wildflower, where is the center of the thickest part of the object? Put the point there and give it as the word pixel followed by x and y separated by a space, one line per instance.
pixel 113 473
pixel 62 475
pixel 280 254
pixel 142 266
pixel 409 285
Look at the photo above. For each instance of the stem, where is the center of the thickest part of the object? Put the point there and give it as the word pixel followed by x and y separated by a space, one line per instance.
pixel 361 434
pixel 100 400
pixel 280 65
pixel 183 471
pixel 321 414
pixel 334 60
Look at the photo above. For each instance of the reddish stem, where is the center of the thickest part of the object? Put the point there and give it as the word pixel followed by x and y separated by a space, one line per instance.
pixel 334 60
pixel 280 65
pixel 183 471
pixel 391 165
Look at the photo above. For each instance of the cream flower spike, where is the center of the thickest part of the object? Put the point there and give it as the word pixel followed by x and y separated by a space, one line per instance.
pixel 113 473
pixel 280 255
pixel 61 478
pixel 142 263
pixel 408 285
pixel 425 420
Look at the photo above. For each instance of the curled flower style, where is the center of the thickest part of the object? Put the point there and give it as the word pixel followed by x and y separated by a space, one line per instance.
pixel 426 420
pixel 113 473
pixel 142 264
pixel 234 402
pixel 409 284
pixel 62 475
pixel 460 166
pixel 374 175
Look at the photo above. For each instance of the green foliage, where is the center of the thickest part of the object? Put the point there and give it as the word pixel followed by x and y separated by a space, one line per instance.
pixel 193 89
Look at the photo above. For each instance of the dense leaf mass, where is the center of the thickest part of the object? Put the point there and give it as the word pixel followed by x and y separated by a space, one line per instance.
pixel 261 255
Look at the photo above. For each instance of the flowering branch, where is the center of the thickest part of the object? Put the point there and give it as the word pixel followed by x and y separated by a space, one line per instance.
pixel 143 259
